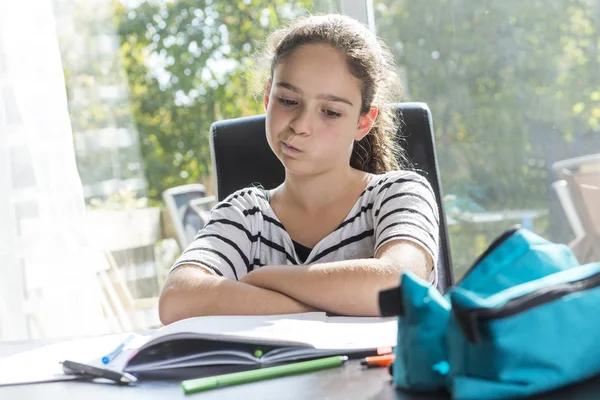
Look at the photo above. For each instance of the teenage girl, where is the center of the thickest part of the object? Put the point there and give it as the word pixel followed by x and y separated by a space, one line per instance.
pixel 347 220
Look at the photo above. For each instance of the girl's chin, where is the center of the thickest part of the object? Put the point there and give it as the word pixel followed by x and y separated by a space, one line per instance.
pixel 300 169
pixel 295 167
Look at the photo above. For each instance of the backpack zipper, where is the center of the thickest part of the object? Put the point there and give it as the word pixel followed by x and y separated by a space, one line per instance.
pixel 469 319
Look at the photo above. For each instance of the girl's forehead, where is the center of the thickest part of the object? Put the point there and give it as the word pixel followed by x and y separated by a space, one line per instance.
pixel 317 68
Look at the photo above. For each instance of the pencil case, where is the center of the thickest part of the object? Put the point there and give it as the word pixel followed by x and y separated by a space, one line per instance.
pixel 422 360
pixel 526 339
pixel 515 257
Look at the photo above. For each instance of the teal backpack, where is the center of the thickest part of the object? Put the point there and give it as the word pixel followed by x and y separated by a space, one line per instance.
pixel 523 320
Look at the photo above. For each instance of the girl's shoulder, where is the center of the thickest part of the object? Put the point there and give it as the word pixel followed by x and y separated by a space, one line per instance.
pixel 397 179
pixel 400 190
pixel 247 200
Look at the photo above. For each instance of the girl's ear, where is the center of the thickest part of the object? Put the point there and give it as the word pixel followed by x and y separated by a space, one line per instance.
pixel 267 94
pixel 366 122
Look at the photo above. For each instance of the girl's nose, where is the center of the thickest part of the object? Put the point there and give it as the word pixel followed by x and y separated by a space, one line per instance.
pixel 301 124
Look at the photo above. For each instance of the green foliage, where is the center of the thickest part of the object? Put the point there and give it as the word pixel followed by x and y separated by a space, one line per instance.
pixel 511 84
pixel 187 64
pixel 507 82
pixel 499 76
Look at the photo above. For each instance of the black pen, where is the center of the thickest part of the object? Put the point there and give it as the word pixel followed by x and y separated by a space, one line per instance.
pixel 75 368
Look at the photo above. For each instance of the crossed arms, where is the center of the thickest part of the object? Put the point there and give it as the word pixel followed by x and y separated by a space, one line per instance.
pixel 343 287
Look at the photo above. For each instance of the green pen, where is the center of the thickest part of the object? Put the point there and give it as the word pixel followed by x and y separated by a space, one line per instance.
pixel 200 384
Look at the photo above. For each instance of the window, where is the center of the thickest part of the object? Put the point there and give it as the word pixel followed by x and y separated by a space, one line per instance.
pixel 513 89
pixel 145 80
pixel 512 86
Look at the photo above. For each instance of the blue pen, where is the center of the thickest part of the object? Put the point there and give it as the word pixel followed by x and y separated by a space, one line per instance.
pixel 111 356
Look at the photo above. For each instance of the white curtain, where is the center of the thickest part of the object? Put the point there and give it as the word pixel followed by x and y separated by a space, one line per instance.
pixel 48 286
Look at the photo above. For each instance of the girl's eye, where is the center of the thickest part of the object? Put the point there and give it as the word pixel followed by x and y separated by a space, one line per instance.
pixel 332 114
pixel 287 102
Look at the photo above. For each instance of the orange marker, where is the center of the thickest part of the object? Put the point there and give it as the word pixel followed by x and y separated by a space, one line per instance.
pixel 378 361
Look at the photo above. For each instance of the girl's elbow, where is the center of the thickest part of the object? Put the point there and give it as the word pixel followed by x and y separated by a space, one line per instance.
pixel 174 305
pixel 167 307
pixel 180 296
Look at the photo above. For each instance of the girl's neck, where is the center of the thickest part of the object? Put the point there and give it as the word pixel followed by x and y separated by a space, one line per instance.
pixel 317 192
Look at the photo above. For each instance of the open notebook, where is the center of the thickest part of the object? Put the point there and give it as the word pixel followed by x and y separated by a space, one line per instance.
pixel 215 342
pixel 259 340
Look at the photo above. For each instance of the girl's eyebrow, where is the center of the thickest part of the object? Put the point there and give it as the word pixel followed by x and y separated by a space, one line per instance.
pixel 328 97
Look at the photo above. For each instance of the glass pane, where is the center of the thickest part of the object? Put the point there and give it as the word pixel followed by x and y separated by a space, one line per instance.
pixel 513 88
pixel 145 80
pixel 22 174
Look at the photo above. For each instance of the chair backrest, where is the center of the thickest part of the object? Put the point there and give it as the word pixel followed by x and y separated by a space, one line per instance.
pixel 177 200
pixel 561 188
pixel 241 156
pixel 582 175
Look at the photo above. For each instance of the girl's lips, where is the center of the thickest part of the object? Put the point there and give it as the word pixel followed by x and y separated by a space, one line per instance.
pixel 289 149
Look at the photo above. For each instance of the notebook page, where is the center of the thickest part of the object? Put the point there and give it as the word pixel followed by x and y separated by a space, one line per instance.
pixel 342 334
pixel 256 327
pixel 358 333
pixel 310 330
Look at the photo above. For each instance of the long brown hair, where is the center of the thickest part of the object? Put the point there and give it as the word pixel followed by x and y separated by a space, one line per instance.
pixel 370 61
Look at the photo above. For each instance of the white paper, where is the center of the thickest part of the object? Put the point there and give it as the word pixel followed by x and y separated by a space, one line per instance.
pixel 239 327
pixel 309 329
pixel 236 323
pixel 42 364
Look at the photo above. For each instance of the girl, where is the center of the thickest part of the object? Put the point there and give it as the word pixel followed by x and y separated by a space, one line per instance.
pixel 346 222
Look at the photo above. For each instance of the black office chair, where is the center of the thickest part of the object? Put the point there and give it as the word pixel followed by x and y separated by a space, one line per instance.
pixel 241 156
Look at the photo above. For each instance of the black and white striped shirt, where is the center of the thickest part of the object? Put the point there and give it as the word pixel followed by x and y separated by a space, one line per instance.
pixel 244 233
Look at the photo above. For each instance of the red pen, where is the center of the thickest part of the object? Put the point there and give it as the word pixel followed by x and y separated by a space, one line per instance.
pixel 378 361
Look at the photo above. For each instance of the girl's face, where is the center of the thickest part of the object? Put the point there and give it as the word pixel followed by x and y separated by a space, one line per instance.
pixel 313 111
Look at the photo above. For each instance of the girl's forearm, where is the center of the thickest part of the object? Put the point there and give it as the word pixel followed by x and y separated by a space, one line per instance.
pixel 191 291
pixel 346 287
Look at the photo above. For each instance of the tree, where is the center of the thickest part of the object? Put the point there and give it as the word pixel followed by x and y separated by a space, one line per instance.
pixel 513 87
pixel 505 81
pixel 187 63
pixel 498 77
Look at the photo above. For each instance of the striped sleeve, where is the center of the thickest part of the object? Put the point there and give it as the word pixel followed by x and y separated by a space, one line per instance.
pixel 406 209
pixel 223 247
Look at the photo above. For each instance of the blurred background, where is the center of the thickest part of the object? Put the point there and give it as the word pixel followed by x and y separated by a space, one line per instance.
pixel 105 108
